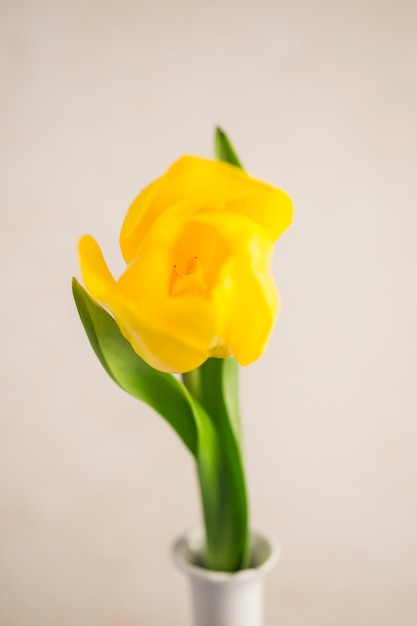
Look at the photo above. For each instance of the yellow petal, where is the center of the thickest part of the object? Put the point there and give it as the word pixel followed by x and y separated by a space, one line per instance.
pixel 171 332
pixel 210 185
pixel 96 275
pixel 139 216
pixel 230 187
pixel 254 304
pixel 245 299
pixel 165 349
pixel 177 334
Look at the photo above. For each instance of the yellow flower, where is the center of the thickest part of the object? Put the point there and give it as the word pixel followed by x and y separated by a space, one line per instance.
pixel 197 244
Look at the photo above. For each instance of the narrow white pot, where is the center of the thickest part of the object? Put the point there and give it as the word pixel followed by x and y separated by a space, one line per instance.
pixel 220 598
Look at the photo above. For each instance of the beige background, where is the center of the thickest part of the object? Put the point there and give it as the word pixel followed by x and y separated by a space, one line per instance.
pixel 97 99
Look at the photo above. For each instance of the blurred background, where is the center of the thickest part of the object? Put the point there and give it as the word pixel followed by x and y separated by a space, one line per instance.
pixel 319 98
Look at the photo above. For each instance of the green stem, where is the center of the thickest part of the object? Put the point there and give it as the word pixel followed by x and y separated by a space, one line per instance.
pixel 224 496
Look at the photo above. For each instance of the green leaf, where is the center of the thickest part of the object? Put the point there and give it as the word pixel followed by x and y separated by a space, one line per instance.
pixel 223 149
pixel 163 392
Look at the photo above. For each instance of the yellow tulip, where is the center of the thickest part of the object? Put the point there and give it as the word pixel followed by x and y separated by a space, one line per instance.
pixel 197 243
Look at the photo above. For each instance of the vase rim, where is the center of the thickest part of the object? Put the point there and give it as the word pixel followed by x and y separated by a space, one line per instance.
pixel 188 546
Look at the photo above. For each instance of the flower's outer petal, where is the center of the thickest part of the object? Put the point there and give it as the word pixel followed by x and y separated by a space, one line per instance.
pixel 206 183
pixel 135 219
pixel 164 348
pixel 171 333
pixel 254 304
pixel 96 275
pixel 230 186
pixel 245 300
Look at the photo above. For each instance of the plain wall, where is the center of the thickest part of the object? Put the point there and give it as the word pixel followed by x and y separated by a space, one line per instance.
pixel 320 98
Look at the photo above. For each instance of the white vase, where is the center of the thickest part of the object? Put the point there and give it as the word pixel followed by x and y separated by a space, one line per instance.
pixel 220 598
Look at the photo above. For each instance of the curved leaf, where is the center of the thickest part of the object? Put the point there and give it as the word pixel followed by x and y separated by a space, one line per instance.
pixel 163 392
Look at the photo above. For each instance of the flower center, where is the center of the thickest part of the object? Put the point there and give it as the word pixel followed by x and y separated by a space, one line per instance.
pixel 189 282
